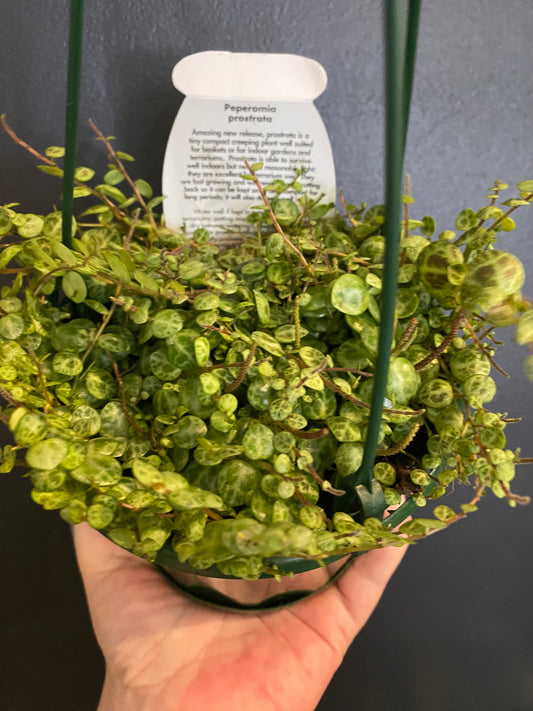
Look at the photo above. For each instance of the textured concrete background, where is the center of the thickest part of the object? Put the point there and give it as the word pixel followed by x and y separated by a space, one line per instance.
pixel 454 629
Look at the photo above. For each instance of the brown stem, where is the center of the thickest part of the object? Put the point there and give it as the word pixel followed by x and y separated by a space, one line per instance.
pixel 428 360
pixel 358 260
pixel 103 198
pixel 63 267
pixel 318 434
pixel 406 340
pixel 316 476
pixel 17 270
pixel 127 239
pixel 124 172
pixel 483 349
pixel 361 403
pixel 397 448
pixel 297 325
pixel 123 396
pixel 514 497
pixel 104 323
pixel 9 398
pixel 7 128
pixel 133 288
pixel 348 214
pixel 49 403
pixel 244 369
pixel 315 371
pixel 213 514
pixel 349 370
pixel 274 219
pixel 511 210
pixel 492 201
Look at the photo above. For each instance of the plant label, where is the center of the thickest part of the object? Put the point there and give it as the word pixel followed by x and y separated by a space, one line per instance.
pixel 254 106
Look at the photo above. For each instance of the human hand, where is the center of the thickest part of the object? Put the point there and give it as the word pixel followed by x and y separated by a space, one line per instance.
pixel 165 652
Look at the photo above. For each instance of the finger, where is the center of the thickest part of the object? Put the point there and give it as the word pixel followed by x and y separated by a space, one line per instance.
pixel 364 582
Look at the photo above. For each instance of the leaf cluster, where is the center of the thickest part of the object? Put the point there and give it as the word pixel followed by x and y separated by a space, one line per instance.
pixel 176 393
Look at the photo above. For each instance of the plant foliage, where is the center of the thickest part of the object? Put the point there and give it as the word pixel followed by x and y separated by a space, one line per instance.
pixel 173 392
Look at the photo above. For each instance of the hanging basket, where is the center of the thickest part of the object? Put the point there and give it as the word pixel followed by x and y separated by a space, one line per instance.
pixel 135 362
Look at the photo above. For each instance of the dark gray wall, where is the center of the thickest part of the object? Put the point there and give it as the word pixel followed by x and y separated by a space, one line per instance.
pixel 455 628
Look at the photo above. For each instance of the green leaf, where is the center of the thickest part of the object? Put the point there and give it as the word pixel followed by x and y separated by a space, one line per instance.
pixel 166 323
pixel 154 202
pixel 54 152
pixel 348 458
pixel 100 384
pixel 74 287
pixel 8 253
pixel 202 351
pixel 95 210
pixel 349 294
pixel 80 191
pixel 114 177
pixel 258 442
pixel 267 343
pixel 51 170
pixel 515 202
pixel 144 188
pixel 235 481
pixel 96 306
pixel 319 211
pixel 31 429
pixel 443 513
pixel 490 212
pixel 117 266
pixel 53 224
pixel 111 192
pixel 83 174
pixel 100 470
pixel 466 219
pixel 256 166
pixel 6 223
pixel 428 226
pixel 206 301
pixel 524 330
pixel 263 307
pixel 11 326
pixel 507 224
pixel 64 253
pixel 32 227
pixel 125 156
pixel 47 454
pixel 525 186
pixel 85 421
pixel 67 364
pixel 145 280
pixel 148 475
pixel 286 211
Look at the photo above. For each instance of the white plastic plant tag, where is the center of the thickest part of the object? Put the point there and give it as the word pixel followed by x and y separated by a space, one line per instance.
pixel 254 106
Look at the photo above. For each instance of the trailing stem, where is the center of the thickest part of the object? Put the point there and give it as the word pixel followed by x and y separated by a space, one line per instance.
pixel 274 219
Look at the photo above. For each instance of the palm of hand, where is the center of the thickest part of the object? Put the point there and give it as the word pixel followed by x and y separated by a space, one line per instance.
pixel 168 653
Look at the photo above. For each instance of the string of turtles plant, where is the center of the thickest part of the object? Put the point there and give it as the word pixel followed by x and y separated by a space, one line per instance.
pixel 174 392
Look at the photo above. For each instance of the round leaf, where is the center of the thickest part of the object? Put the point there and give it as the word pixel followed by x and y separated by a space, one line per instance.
pixel 349 294
pixel 47 454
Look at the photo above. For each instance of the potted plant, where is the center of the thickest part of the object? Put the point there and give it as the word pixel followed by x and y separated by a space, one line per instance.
pixel 207 407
